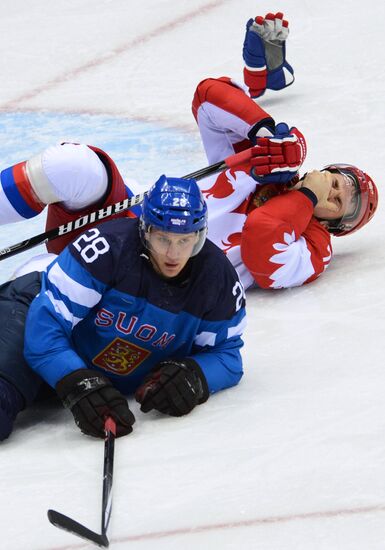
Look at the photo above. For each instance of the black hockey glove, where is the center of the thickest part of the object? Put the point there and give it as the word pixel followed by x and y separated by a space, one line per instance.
pixel 91 398
pixel 173 387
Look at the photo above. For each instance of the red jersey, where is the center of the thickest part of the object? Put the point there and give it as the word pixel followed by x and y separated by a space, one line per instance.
pixel 268 232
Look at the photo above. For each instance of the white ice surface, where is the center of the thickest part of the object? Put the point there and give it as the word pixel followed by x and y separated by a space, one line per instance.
pixel 294 457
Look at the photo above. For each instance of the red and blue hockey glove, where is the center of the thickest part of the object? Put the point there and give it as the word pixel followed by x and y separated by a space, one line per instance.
pixel 264 54
pixel 91 397
pixel 277 159
pixel 173 387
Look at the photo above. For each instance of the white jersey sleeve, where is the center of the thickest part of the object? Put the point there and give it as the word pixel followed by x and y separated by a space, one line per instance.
pixel 71 174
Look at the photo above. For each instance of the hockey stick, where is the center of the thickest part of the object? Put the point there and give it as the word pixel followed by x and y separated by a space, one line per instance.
pixel 117 208
pixel 64 522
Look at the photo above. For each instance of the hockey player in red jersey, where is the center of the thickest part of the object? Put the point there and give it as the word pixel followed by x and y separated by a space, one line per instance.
pixel 274 226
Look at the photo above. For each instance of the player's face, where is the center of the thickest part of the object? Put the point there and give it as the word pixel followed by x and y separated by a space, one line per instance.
pixel 341 197
pixel 170 252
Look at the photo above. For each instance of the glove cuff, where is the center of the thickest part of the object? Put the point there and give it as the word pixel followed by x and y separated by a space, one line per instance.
pixel 78 384
pixel 203 389
pixel 280 78
pixel 267 123
pixel 256 81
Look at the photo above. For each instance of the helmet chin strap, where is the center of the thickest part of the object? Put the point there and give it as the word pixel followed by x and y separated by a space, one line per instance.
pixel 154 263
pixel 333 226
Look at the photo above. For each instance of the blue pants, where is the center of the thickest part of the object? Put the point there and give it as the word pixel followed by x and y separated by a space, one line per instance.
pixel 15 298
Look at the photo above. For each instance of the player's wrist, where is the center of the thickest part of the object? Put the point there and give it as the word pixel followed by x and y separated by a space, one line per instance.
pixel 309 194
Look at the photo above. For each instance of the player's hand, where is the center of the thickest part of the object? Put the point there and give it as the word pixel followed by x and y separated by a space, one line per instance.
pixel 264 54
pixel 321 184
pixel 277 159
pixel 91 397
pixel 173 387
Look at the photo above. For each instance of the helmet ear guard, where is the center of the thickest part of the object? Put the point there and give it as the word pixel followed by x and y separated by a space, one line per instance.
pixel 366 200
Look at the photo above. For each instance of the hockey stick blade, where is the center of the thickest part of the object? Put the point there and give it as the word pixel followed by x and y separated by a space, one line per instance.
pixel 64 522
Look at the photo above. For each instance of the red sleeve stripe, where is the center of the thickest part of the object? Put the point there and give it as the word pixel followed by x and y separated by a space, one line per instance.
pixel 24 187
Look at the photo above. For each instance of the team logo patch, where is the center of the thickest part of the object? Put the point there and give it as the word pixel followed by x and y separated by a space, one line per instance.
pixel 120 357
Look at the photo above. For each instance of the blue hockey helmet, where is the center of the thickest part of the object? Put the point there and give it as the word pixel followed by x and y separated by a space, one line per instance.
pixel 175 205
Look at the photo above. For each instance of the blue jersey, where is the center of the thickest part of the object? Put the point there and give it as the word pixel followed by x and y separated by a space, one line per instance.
pixel 103 306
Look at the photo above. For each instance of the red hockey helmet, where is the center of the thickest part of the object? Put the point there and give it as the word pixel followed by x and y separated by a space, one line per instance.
pixel 366 204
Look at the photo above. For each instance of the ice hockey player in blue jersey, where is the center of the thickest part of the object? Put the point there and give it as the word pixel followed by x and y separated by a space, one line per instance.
pixel 146 306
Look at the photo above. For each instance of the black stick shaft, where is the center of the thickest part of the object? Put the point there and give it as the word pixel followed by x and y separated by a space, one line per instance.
pixel 109 447
pixel 207 171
